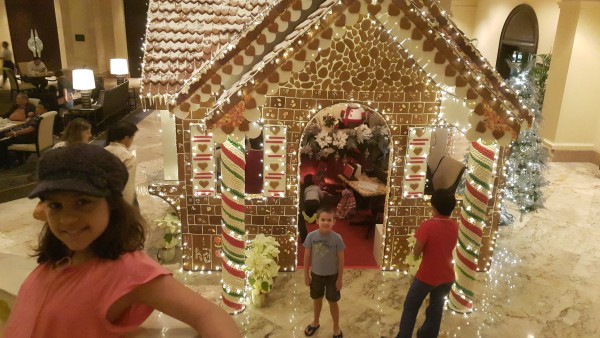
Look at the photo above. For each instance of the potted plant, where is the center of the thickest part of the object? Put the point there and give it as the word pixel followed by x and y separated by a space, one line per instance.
pixel 410 260
pixel 171 226
pixel 261 267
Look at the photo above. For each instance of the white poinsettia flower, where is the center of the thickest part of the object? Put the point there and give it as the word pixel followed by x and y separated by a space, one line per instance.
pixel 321 138
pixel 363 133
pixel 261 263
pixel 410 260
pixel 324 153
pixel 385 131
pixel 339 139
pixel 171 227
pixel 273 270
pixel 271 252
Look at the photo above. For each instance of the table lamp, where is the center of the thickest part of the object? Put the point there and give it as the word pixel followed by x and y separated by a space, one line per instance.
pixel 120 69
pixel 83 80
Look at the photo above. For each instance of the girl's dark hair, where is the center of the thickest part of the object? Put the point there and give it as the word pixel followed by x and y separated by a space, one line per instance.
pixel 124 233
pixel 72 134
pixel 119 131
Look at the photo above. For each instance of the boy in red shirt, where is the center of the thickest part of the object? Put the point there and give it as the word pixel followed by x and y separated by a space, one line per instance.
pixel 436 239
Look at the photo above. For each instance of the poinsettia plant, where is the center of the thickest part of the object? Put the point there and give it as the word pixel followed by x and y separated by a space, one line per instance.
pixel 261 263
pixel 171 225
pixel 410 260
pixel 322 142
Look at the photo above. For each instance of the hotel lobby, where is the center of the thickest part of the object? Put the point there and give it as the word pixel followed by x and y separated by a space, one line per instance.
pixel 543 266
pixel 539 285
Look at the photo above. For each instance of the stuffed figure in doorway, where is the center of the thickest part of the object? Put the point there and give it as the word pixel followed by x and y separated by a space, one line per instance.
pixel 353 116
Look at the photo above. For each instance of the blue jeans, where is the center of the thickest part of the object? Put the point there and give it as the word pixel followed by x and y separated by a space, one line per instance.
pixel 433 315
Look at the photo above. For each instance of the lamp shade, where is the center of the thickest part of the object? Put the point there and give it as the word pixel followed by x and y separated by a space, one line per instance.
pixel 119 67
pixel 83 79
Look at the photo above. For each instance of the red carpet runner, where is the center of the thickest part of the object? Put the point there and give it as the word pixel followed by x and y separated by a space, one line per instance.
pixel 359 250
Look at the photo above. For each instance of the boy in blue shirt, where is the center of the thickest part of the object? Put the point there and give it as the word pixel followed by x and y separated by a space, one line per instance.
pixel 324 259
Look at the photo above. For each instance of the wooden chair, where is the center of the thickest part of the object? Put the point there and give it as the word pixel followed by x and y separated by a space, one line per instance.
pixel 45 137
pixel 15 86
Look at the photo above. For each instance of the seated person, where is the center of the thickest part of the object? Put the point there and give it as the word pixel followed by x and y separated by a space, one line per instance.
pixel 65 89
pixel 99 81
pixel 77 131
pixel 36 67
pixel 312 199
pixel 21 110
pixel 25 133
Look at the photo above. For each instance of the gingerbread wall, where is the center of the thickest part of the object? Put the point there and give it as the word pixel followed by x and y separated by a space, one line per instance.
pixel 365 66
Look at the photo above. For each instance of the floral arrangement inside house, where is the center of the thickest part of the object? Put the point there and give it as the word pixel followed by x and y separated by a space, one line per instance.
pixel 336 132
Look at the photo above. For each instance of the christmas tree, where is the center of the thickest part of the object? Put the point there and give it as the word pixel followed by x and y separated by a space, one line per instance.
pixel 528 158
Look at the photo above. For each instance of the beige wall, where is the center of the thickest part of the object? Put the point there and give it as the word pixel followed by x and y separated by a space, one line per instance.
pixel 61 33
pixel 463 14
pixel 102 23
pixel 571 126
pixel 118 24
pixel 4 31
pixel 484 19
pixel 571 111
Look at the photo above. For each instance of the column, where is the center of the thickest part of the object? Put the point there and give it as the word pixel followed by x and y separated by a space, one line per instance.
pixel 571 126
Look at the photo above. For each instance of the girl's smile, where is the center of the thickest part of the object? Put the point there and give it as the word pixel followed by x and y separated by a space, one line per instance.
pixel 76 219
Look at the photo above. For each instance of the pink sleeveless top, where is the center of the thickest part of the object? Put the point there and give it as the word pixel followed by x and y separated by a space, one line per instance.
pixel 72 301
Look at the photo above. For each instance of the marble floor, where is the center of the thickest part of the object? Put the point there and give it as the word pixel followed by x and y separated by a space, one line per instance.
pixel 540 285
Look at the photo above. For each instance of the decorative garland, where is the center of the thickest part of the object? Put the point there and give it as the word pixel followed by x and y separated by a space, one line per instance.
pixel 233 162
pixel 472 221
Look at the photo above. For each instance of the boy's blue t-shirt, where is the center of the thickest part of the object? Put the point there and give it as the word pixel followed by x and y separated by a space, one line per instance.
pixel 324 251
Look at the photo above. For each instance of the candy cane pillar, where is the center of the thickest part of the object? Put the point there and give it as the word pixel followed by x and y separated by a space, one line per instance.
pixel 233 165
pixel 480 178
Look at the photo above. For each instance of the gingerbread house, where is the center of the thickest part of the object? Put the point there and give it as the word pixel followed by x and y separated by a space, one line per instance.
pixel 227 70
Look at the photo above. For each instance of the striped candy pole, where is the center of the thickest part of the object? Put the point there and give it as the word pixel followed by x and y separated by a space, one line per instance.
pixel 472 221
pixel 233 165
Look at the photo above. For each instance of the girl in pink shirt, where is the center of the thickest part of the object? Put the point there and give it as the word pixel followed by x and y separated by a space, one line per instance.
pixel 93 280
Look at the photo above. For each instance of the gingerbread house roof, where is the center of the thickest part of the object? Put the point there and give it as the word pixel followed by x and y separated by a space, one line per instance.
pixel 292 32
pixel 184 36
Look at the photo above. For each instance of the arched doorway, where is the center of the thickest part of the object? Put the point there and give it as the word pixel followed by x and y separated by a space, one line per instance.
pixel 346 149
pixel 519 39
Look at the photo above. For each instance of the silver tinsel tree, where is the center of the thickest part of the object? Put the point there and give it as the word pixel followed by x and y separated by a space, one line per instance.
pixel 528 158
